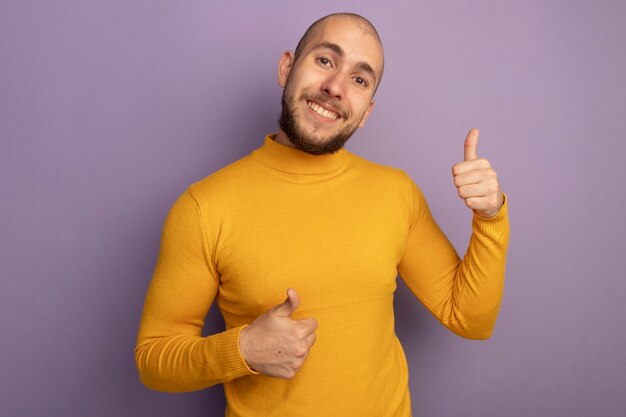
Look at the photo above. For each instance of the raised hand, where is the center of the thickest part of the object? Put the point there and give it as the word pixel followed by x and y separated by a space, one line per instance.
pixel 274 344
pixel 476 181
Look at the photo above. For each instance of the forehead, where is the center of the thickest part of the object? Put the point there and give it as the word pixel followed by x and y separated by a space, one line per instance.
pixel 357 41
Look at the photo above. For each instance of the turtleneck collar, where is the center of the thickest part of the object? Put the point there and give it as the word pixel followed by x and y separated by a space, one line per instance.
pixel 294 161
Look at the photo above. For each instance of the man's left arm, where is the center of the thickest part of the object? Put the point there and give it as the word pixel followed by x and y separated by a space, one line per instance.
pixel 463 294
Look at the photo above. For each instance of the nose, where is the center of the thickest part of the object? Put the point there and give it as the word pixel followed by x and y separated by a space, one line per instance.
pixel 333 87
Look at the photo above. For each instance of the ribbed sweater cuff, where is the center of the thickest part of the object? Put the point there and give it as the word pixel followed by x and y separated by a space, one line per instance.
pixel 230 355
pixel 494 224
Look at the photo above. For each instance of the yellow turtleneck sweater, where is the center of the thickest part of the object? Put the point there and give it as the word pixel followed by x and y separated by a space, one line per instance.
pixel 338 229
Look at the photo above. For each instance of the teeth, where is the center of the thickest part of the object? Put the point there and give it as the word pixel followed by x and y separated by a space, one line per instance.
pixel 321 111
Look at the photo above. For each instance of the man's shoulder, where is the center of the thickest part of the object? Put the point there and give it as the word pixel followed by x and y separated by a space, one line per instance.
pixel 226 179
pixel 381 172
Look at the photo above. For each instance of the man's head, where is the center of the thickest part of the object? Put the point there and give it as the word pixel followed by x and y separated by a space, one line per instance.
pixel 329 82
pixel 364 24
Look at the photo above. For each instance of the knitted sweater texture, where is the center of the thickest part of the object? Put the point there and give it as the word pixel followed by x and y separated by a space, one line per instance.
pixel 336 228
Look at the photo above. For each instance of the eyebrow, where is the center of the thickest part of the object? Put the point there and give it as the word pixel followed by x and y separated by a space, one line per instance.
pixel 362 65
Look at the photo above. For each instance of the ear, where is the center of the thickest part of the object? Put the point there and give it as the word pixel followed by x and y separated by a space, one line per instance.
pixel 367 114
pixel 284 67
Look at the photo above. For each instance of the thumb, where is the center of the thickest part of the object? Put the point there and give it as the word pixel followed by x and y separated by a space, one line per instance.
pixel 471 142
pixel 290 305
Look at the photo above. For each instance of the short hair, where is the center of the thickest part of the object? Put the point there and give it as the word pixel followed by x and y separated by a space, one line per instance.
pixel 310 32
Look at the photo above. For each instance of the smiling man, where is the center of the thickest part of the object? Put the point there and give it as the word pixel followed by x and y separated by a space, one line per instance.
pixel 304 217
pixel 328 90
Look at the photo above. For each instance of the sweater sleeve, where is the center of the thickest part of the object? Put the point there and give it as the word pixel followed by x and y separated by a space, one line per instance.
pixel 464 295
pixel 170 353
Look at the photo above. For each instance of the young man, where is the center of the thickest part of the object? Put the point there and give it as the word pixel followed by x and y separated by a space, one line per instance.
pixel 303 215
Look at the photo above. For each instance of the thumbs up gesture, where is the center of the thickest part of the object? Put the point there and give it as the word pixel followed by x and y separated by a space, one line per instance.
pixel 276 345
pixel 476 181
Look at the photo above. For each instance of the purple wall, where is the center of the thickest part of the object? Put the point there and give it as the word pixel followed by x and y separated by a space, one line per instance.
pixel 109 109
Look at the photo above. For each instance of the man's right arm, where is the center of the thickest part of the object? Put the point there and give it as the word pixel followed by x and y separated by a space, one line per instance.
pixel 171 355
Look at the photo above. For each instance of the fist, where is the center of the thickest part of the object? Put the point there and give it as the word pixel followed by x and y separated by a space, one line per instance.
pixel 476 181
pixel 274 344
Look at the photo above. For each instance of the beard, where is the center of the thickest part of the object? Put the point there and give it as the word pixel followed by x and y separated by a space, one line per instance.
pixel 308 141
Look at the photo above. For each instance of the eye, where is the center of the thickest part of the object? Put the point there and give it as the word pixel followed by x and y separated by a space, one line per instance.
pixel 361 81
pixel 324 61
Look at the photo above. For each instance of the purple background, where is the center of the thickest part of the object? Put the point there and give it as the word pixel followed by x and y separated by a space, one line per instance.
pixel 108 110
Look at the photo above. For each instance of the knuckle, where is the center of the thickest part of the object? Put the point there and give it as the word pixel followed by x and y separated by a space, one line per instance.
pixel 300 350
pixel 308 326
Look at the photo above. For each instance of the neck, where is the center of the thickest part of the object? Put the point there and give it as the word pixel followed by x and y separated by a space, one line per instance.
pixel 292 160
pixel 283 139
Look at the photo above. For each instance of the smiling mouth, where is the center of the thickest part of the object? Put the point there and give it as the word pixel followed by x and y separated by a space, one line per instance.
pixel 321 111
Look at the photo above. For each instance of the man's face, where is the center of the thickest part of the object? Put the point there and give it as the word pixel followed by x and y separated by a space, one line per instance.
pixel 328 91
